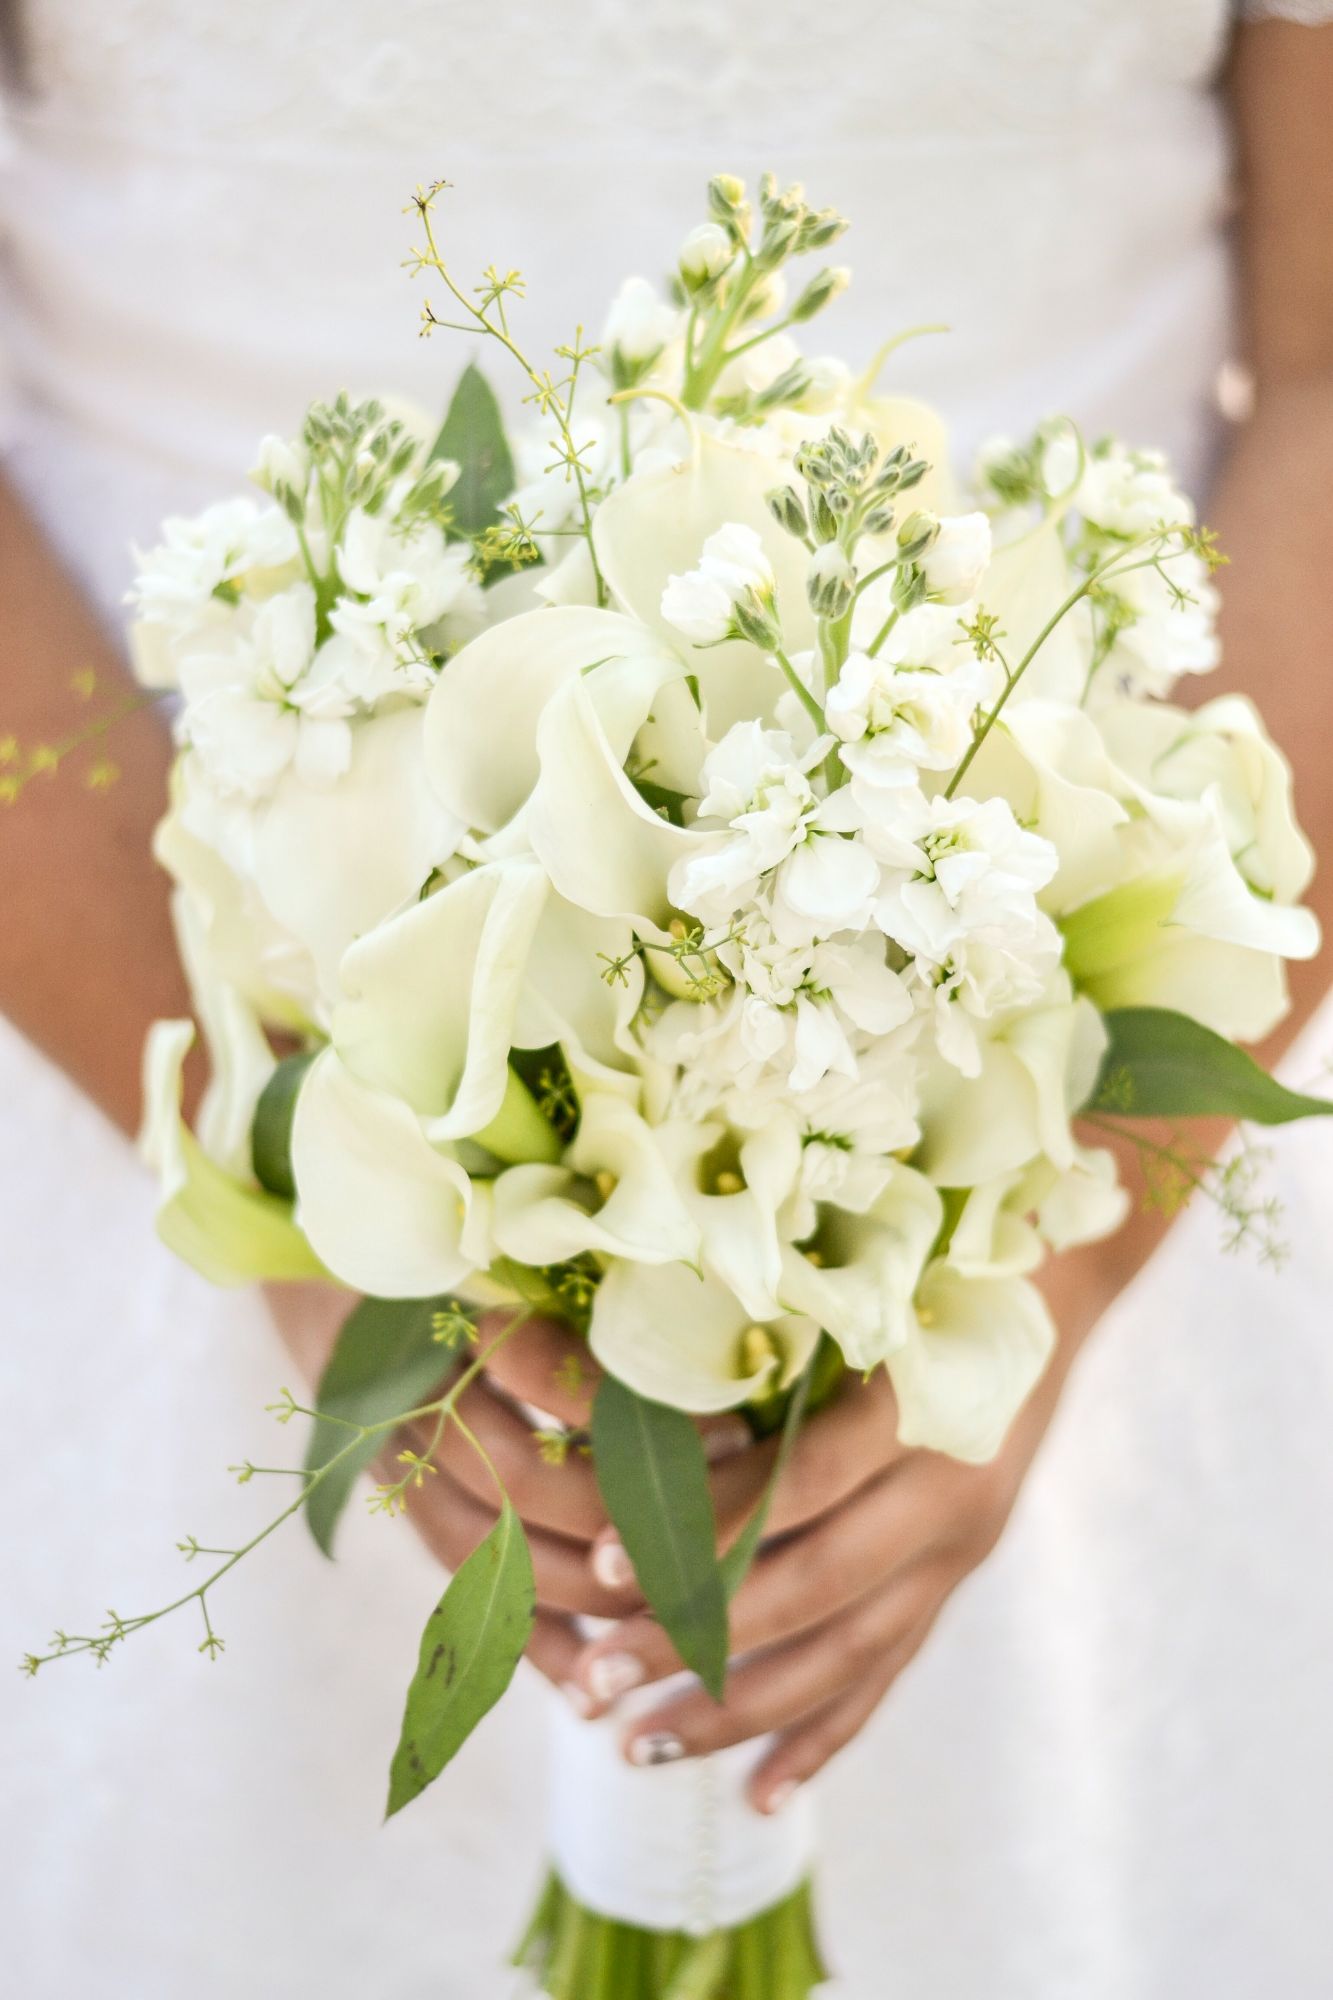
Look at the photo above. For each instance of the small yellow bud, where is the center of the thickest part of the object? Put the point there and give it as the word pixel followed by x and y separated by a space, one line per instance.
pixel 729 1182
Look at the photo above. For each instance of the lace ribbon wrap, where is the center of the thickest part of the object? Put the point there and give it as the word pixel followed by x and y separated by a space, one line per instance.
pixel 665 1880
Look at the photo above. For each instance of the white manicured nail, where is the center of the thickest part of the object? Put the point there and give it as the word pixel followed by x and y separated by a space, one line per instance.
pixel 659 1748
pixel 614 1674
pixel 612 1567
pixel 781 1795
pixel 578 1698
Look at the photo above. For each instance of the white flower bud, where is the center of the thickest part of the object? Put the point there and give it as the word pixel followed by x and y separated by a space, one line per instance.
pixel 705 254
pixel 703 603
pixel 822 289
pixel 956 560
pixel 639 324
pixel 279 463
pixel 830 581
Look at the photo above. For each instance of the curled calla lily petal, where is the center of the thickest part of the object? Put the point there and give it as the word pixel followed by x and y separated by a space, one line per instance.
pixel 686 1340
pixel 1081 1203
pixel 603 847
pixel 233 1234
pixel 583 990
pixel 1050 763
pixel 432 996
pixel 333 862
pixel 975 1350
pixel 992 1236
pixel 1037 1069
pixel 736 1207
pixel 613 1194
pixel 482 774
pixel 866 1268
pixel 387 1211
pixel 655 526
pixel 1028 579
pixel 240 1059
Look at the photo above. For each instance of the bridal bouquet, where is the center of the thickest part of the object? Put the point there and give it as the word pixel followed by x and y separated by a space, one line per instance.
pixel 686 874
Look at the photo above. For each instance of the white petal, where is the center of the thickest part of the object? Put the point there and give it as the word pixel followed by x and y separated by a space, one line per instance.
pixel 539 1218
pixel 384 1208
pixel 677 1338
pixel 332 864
pixel 977 1349
pixel 433 993
pixel 232 1234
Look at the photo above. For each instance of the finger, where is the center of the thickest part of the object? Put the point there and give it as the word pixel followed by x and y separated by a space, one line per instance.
pixel 837 1452
pixel 843 1447
pixel 556 1493
pixel 553 1649
pixel 776 1689
pixel 452 1524
pixel 801 1583
pixel 542 1364
pixel 803 1751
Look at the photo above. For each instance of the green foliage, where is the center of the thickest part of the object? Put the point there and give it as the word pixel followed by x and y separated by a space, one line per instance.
pixel 473 436
pixel 389 1356
pixel 653 1478
pixel 1162 1064
pixel 473 1641
pixel 736 1562
pixel 271 1135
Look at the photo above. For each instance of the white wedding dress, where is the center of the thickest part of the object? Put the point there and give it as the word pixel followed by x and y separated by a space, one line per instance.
pixel 1109 1776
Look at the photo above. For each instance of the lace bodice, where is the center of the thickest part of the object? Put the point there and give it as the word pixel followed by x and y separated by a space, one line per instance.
pixel 201 204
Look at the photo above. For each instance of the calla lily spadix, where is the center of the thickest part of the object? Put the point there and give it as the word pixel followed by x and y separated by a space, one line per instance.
pixel 685 1339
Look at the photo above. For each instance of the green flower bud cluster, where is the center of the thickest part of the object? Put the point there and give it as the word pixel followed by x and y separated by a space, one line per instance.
pixel 729 274
pixel 356 455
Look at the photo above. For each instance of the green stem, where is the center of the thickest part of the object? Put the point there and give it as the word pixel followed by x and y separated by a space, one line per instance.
pixel 799 688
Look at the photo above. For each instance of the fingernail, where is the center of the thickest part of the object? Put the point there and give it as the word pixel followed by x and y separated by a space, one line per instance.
pixel 659 1748
pixel 578 1698
pixel 725 1438
pixel 780 1796
pixel 613 1674
pixel 611 1566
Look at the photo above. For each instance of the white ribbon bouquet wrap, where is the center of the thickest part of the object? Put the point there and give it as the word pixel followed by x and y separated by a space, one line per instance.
pixel 688 881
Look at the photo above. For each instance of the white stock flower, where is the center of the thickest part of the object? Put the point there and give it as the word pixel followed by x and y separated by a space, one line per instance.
pixel 1127 492
pixel 1169 629
pixel 400 581
pixel 639 323
pixel 205 554
pixel 956 560
pixel 702 602
pixel 911 707
pixel 705 253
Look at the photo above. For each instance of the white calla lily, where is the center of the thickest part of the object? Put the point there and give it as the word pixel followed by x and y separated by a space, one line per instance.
pixel 240 1059
pixel 331 863
pixel 432 996
pixel 1050 763
pixel 860 1288
pixel 686 1340
pixel 654 527
pixel 601 845
pixel 485 775
pixel 388 1212
pixel 734 1189
pixel 231 1233
pixel 976 1348
pixel 613 1194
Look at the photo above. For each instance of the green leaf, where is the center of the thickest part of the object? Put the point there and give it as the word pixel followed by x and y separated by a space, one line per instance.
pixel 386 1359
pixel 736 1562
pixel 1164 1065
pixel 653 1478
pixel 271 1134
pixel 473 1641
pixel 472 434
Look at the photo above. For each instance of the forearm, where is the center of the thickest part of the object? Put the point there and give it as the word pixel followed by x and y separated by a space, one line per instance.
pixel 87 956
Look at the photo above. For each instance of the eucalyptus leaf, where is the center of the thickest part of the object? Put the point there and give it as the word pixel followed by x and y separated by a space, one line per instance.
pixel 1161 1064
pixel 473 436
pixel 738 1558
pixel 386 1360
pixel 653 1478
pixel 271 1133
pixel 473 1641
